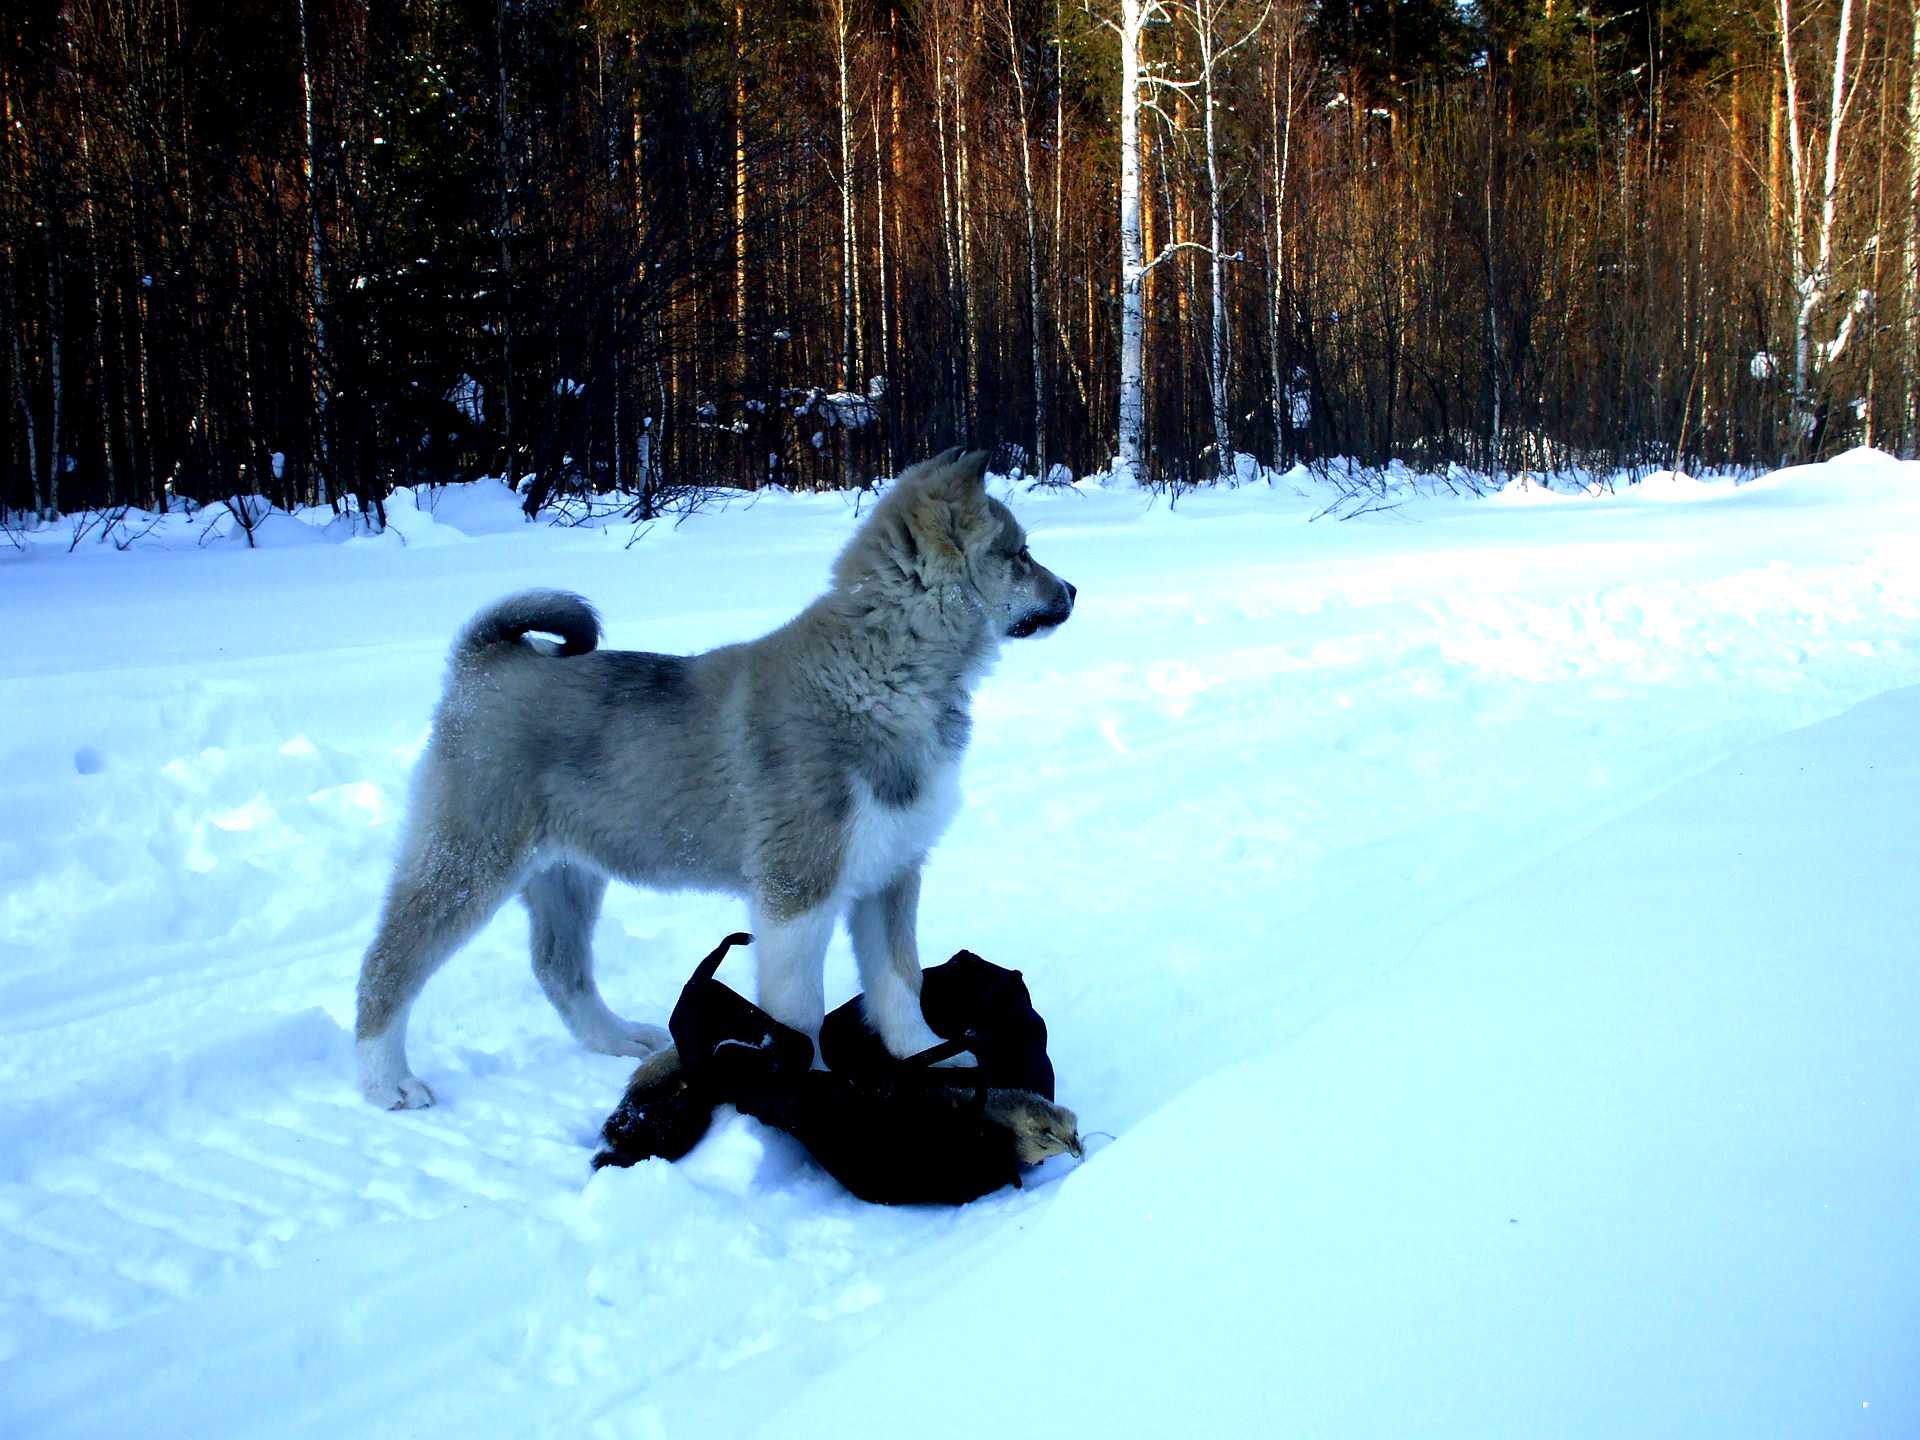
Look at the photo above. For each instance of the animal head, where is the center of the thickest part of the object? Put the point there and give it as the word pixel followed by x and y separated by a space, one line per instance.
pixel 1040 1128
pixel 936 532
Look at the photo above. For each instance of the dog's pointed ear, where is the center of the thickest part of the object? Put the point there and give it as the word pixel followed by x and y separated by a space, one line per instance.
pixel 931 543
pixel 970 469
pixel 930 471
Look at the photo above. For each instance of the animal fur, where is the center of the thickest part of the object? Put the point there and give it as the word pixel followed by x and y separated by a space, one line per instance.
pixel 809 771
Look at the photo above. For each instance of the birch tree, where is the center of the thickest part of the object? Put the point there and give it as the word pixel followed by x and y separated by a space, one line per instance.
pixel 740 185
pixel 1132 419
pixel 316 274
pixel 942 36
pixel 56 341
pixel 89 184
pixel 1281 88
pixel 1910 417
pixel 1813 255
pixel 839 30
pixel 1207 18
pixel 1140 90
pixel 18 374
pixel 1036 314
pixel 510 467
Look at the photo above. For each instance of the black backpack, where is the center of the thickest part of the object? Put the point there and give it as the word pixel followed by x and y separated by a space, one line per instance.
pixel 894 1132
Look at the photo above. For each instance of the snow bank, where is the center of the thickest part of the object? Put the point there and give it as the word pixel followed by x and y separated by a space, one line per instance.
pixel 484 507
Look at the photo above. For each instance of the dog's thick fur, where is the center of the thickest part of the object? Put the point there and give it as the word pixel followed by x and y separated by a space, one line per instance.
pixel 810 771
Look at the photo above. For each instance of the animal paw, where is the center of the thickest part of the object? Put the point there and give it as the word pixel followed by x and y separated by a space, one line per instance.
pixel 643 1040
pixel 904 1035
pixel 385 1078
pixel 912 1035
pixel 610 1035
pixel 409 1092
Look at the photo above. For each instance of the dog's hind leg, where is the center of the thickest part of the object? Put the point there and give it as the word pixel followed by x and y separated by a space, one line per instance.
pixel 444 890
pixel 564 901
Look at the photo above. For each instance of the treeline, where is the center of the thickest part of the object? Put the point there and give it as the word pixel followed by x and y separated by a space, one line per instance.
pixel 313 249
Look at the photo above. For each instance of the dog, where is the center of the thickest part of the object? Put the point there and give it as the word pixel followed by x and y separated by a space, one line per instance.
pixel 809 771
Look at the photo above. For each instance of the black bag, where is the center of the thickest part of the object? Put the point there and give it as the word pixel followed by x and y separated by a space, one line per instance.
pixel 983 1006
pixel 894 1132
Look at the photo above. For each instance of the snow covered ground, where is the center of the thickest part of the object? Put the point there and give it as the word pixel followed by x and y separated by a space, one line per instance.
pixel 1487 931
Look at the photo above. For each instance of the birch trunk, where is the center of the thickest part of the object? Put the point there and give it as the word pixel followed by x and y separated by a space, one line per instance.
pixel 949 248
pixel 1910 409
pixel 24 402
pixel 1036 315
pixel 963 232
pixel 1803 281
pixel 93 263
pixel 142 474
pixel 893 241
pixel 880 243
pixel 137 425
pixel 1205 13
pixel 1491 319
pixel 56 335
pixel 506 249
pixel 849 273
pixel 316 280
pixel 740 186
pixel 1280 116
pixel 1813 277
pixel 1133 406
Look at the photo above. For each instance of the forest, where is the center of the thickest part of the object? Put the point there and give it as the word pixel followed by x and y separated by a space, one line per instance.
pixel 311 250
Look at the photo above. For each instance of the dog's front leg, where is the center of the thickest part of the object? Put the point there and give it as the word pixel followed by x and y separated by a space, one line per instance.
pixel 883 928
pixel 792 955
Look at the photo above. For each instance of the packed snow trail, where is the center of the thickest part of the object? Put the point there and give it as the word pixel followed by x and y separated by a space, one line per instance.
pixel 1274 778
pixel 1626 1146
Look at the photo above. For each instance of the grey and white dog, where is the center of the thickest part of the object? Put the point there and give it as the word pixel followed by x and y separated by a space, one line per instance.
pixel 810 770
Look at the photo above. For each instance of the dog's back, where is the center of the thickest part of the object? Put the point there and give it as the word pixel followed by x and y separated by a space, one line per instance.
pixel 623 758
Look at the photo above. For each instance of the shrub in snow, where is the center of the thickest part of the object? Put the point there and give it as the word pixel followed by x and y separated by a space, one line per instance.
pixel 836 409
pixel 468 397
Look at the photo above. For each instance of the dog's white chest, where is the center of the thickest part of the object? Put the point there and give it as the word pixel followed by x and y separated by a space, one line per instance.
pixel 883 840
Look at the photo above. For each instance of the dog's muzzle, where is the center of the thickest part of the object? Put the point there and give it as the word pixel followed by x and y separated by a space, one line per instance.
pixel 1034 621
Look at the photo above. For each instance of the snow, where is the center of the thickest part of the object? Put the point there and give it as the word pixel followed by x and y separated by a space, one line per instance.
pixel 485 507
pixel 1612 1142
pixel 1484 930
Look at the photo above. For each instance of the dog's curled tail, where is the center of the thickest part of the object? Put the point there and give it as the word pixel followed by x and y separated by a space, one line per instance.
pixel 546 612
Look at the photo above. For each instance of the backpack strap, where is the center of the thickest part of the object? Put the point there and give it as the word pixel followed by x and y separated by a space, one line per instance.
pixel 924 1062
pixel 710 966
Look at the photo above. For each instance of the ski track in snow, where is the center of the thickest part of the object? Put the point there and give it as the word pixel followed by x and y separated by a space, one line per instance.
pixel 1264 759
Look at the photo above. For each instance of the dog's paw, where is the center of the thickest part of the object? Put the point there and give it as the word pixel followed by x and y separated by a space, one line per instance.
pixel 627 1037
pixel 409 1092
pixel 384 1077
pixel 908 1036
pixel 905 1035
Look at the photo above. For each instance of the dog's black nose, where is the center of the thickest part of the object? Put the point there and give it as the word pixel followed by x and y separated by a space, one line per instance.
pixel 1071 591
